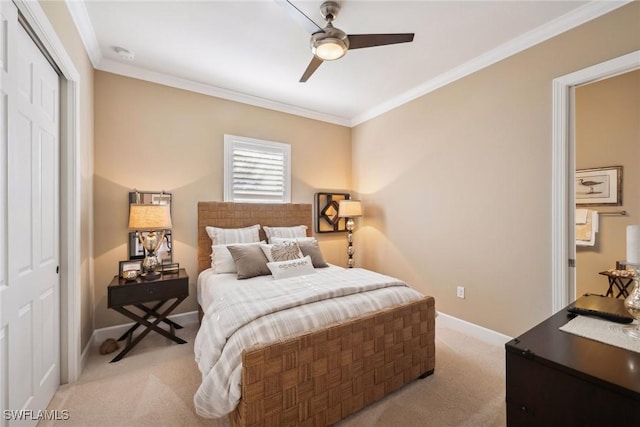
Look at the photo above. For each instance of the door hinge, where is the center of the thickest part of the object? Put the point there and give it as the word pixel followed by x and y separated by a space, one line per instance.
pixel 572 262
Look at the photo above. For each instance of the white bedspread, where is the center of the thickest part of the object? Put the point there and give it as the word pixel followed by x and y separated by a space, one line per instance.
pixel 263 310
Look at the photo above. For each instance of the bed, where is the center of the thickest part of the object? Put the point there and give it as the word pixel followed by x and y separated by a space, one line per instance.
pixel 320 376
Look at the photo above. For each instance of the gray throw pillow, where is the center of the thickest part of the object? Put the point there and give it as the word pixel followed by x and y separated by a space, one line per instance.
pixel 312 249
pixel 250 261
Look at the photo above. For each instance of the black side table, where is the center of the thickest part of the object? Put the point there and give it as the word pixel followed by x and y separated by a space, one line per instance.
pixel 620 283
pixel 139 292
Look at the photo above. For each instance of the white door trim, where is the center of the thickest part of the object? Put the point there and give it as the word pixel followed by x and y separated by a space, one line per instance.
pixel 563 170
pixel 70 202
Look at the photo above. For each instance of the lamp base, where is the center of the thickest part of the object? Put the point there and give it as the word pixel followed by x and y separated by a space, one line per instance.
pixel 149 265
pixel 152 275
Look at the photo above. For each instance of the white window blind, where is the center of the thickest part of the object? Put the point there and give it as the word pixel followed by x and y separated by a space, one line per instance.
pixel 256 171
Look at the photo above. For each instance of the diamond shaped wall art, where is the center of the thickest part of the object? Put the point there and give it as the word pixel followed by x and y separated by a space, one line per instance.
pixel 327 220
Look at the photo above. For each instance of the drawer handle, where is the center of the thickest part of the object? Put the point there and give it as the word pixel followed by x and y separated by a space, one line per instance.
pixel 150 291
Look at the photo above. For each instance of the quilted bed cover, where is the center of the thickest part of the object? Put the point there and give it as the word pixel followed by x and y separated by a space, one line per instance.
pixel 263 310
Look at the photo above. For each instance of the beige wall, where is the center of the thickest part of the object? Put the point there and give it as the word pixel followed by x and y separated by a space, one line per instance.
pixel 457 183
pixel 608 134
pixel 58 15
pixel 152 137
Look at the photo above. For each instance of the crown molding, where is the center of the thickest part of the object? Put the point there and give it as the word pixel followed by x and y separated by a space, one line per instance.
pixel 581 15
pixel 80 18
pixel 586 13
pixel 139 73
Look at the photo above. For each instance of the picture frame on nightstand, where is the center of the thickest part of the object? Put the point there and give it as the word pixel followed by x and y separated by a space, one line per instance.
pixel 169 268
pixel 135 264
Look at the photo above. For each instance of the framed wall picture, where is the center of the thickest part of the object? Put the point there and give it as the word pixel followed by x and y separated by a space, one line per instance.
pixel 327 220
pixel 136 251
pixel 599 186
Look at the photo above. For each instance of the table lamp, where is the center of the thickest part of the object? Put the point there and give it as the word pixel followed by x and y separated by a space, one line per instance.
pixel 350 209
pixel 150 219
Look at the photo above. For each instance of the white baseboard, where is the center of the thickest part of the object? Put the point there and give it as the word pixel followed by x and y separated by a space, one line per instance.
pixel 471 329
pixel 99 335
pixel 84 357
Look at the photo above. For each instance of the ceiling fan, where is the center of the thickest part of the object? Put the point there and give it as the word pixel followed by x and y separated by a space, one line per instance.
pixel 331 43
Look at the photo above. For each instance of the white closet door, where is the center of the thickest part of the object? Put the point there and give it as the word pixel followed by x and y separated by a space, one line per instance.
pixel 29 257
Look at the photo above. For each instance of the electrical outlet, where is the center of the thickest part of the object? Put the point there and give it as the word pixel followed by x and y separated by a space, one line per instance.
pixel 460 292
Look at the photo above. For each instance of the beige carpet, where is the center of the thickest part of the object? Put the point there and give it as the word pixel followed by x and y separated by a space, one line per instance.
pixel 155 383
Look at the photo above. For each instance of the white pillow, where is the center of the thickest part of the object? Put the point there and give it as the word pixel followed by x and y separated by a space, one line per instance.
pixel 292 239
pixel 287 232
pixel 292 268
pixel 227 236
pixel 221 259
pixel 282 251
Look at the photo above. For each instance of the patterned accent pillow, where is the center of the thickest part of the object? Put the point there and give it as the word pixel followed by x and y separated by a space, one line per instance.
pixel 292 268
pixel 282 251
pixel 287 232
pixel 308 246
pixel 226 236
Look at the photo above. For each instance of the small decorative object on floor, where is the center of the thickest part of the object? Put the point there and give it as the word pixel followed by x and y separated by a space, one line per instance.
pixel 109 346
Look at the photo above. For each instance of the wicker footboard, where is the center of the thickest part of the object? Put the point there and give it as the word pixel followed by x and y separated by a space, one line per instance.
pixel 322 376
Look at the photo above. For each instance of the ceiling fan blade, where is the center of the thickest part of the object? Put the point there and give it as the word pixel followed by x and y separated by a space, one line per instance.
pixel 358 41
pixel 311 68
pixel 300 17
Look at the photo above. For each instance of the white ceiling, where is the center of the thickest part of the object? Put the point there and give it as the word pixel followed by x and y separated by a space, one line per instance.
pixel 254 52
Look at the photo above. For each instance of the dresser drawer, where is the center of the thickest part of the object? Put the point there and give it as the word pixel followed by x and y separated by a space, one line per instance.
pixel 141 292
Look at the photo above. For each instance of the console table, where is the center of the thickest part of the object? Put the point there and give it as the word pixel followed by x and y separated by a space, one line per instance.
pixel 137 293
pixel 555 378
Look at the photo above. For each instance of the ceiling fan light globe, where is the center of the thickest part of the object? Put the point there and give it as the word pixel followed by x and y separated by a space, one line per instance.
pixel 329 49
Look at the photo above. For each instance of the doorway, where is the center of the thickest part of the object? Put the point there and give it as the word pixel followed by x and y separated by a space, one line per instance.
pixel 607 138
pixel 563 249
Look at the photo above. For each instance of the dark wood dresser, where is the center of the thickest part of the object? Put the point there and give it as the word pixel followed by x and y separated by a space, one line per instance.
pixel 559 379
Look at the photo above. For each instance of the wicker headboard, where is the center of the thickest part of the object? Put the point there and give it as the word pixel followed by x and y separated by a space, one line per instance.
pixel 236 215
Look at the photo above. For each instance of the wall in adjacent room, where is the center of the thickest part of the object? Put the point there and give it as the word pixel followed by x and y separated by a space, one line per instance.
pixel 608 134
pixel 152 137
pixel 457 183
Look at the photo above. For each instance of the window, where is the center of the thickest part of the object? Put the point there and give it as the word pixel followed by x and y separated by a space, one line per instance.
pixel 256 171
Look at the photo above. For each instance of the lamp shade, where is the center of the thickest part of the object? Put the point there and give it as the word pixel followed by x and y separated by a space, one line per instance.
pixel 349 208
pixel 143 217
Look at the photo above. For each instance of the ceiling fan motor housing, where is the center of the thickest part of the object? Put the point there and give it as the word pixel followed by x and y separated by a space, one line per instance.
pixel 329 10
pixel 330 36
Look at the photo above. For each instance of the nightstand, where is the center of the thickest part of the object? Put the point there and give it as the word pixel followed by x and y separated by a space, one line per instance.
pixel 140 292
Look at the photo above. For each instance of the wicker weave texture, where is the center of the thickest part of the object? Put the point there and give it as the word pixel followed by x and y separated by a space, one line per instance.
pixel 236 215
pixel 322 376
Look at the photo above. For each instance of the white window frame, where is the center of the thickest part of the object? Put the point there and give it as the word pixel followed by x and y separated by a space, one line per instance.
pixel 233 142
